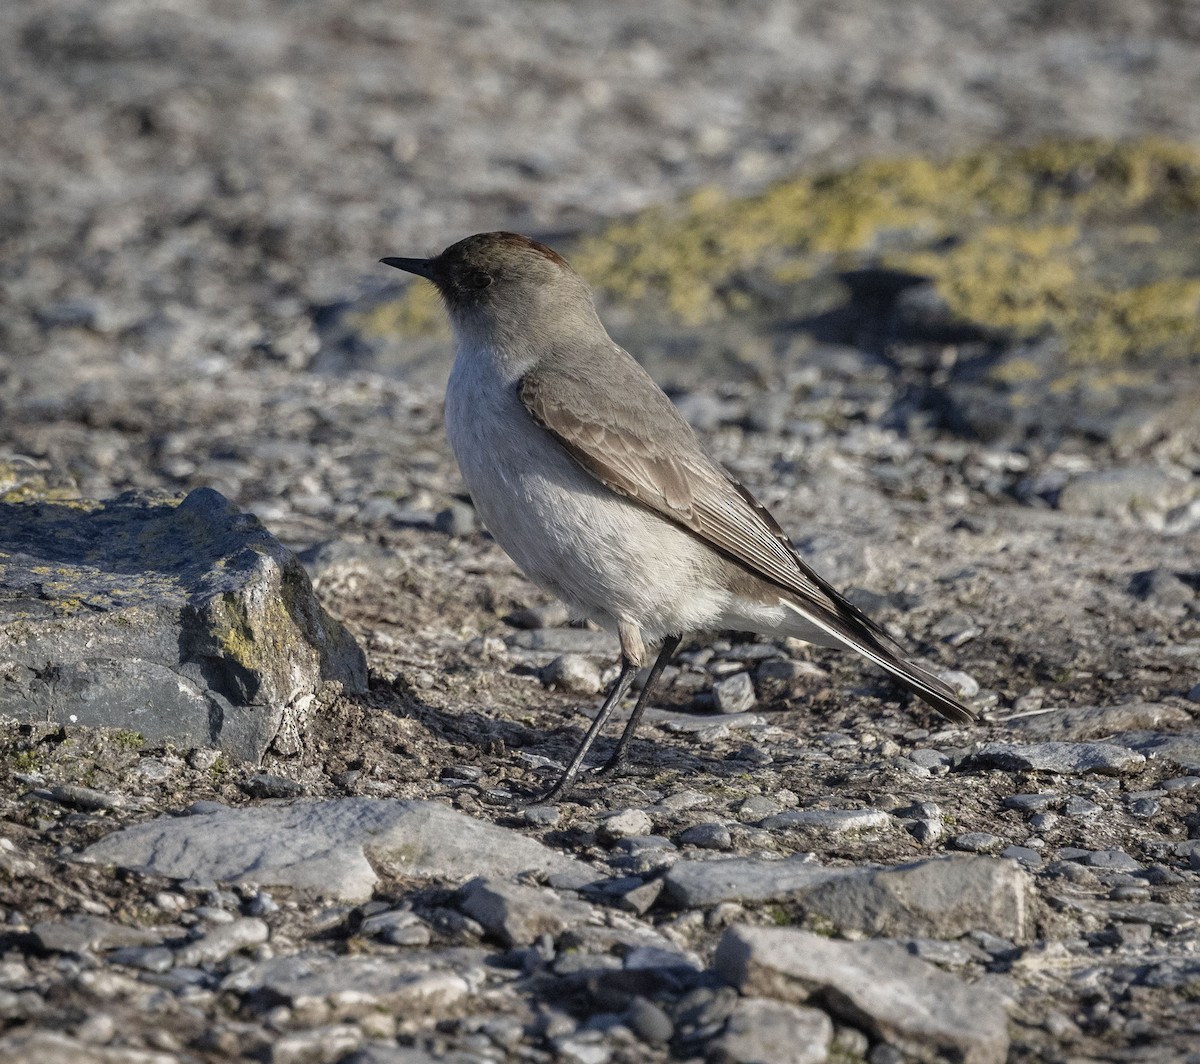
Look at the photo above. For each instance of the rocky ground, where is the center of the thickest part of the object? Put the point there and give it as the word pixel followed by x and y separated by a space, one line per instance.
pixel 800 863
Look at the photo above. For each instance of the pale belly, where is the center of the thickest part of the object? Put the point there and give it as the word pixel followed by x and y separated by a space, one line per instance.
pixel 606 557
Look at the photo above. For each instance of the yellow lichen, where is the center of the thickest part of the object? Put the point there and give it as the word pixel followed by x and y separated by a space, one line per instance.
pixel 1020 240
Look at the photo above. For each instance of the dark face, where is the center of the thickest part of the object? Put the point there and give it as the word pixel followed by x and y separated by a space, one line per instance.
pixel 474 272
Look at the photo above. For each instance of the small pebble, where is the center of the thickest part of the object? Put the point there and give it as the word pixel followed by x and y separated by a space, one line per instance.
pixel 707 836
pixel 977 842
pixel 268 785
pixel 1081 807
pixel 1025 855
pixel 1030 803
pixel 964 683
pixel 574 674
pixel 649 1022
pixel 542 816
pixel 734 694
pixel 623 825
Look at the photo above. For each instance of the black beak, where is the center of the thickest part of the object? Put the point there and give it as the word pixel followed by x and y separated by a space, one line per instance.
pixel 421 267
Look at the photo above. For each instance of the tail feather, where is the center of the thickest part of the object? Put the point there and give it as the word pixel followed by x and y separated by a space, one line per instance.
pixel 861 638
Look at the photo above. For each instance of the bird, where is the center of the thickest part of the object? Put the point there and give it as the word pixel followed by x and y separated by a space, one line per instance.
pixel 592 481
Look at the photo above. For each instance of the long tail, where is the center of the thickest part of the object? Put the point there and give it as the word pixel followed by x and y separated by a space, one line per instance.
pixel 849 629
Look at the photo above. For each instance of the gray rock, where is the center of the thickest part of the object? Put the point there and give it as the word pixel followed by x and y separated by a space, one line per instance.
pixel 185 621
pixel 148 958
pixel 224 939
pixel 876 985
pixel 317 1045
pixel 830 821
pixel 700 884
pixel 734 694
pixel 82 797
pixel 1062 759
pixel 1093 722
pixel 78 934
pixel 541 816
pixel 942 897
pixel 762 1031
pixel 519 915
pixel 337 848
pixel 567 641
pixel 1120 492
pixel 1182 750
pixel 400 927
pixel 977 842
pixel 572 673
pixel 628 823
pixel 268 785
pixel 707 836
pixel 1073 806
pixel 649 1022
pixel 1027 856
pixel 50 1047
pixel 417 983
pixel 1031 803
pixel 1112 860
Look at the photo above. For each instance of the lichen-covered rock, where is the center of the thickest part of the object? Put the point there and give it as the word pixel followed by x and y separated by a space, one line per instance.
pixel 185 621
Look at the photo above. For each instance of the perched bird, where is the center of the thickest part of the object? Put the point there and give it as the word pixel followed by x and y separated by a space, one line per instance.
pixel 589 477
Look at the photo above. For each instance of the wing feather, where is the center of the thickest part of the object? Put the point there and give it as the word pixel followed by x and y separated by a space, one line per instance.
pixel 641 447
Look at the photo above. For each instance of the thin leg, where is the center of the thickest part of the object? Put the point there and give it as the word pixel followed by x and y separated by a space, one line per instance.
pixel 660 663
pixel 624 679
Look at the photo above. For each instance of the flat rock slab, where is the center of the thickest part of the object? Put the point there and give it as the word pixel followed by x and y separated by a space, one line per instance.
pixel 1182 750
pixel 428 982
pixel 1094 722
pixel 830 821
pixel 700 884
pixel 1063 759
pixel 877 986
pixel 183 620
pixel 340 849
pixel 941 897
pixel 764 1030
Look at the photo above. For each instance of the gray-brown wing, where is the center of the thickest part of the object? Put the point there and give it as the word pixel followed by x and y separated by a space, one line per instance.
pixel 640 447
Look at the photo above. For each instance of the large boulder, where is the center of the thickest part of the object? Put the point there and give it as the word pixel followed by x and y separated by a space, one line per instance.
pixel 183 620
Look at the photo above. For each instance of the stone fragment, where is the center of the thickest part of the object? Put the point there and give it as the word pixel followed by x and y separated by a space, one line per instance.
pixel 78 934
pixel 1182 750
pixel 567 641
pixel 977 842
pixel 425 983
pixel 649 1022
pixel 830 821
pixel 942 897
pixel 1063 759
pixel 50 1047
pixel 701 884
pixel 184 621
pixel 1120 492
pixel 628 823
pixel 318 1045
pixel 572 673
pixel 337 848
pixel 762 1031
pixel 1094 722
pixel 734 694
pixel 223 940
pixel 875 985
pixel 707 836
pixel 519 915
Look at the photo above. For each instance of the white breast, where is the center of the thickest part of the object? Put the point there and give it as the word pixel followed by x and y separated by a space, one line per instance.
pixel 606 557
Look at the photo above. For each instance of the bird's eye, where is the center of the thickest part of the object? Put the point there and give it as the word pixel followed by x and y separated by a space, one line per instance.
pixel 479 279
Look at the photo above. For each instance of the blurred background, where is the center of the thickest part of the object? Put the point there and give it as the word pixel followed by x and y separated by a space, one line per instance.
pixel 984 213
